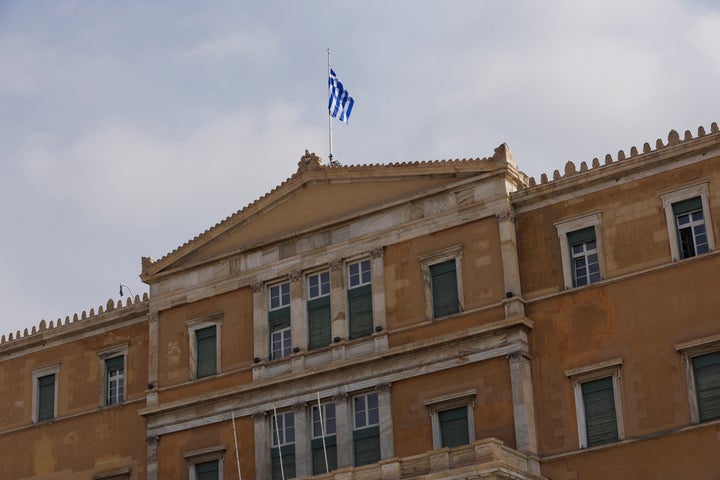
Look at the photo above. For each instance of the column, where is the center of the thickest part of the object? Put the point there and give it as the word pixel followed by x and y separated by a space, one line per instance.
pixel 151 396
pixel 302 441
pixel 262 447
pixel 522 396
pixel 387 447
pixel 377 269
pixel 344 430
pixel 298 312
pixel 338 301
pixel 511 267
pixel 261 340
pixel 152 458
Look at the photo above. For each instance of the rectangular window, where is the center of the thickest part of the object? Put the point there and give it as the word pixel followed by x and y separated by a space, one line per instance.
pixel 318 310
pixel 584 256
pixel 444 288
pixel 597 402
pixel 115 380
pixel 360 309
pixel 46 397
pixel 600 416
pixel 366 429
pixel 454 427
pixel 207 470
pixel 283 445
pixel 206 351
pixel 691 228
pixel 324 440
pixel 279 321
pixel 706 372
pixel 687 215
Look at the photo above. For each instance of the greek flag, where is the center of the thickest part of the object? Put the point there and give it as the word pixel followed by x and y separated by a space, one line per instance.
pixel 341 103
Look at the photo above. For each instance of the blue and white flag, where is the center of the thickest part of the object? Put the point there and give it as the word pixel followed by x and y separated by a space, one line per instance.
pixel 341 103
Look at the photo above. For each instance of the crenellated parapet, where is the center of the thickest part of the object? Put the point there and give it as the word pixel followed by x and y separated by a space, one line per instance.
pixel 85 316
pixel 673 140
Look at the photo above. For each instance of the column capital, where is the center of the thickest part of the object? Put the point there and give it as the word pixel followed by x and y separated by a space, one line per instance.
pixel 258 287
pixel 377 252
pixel 259 416
pixel 383 387
pixel 507 216
pixel 295 276
pixel 335 264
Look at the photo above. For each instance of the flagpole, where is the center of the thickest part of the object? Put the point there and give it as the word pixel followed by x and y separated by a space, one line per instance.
pixel 237 457
pixel 330 136
pixel 322 432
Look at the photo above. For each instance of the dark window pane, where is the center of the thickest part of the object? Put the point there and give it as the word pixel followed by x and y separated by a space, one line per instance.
pixel 444 289
pixel 600 419
pixel 454 427
pixel 706 369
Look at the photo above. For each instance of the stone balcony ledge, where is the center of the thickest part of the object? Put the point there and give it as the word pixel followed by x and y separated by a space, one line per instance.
pixel 487 459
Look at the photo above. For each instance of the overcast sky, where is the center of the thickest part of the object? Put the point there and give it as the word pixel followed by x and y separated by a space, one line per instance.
pixel 129 127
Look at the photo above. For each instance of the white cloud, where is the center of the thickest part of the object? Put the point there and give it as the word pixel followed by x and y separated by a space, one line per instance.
pixel 254 43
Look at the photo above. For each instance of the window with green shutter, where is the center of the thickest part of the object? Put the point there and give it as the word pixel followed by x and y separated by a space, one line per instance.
pixel 454 427
pixel 206 351
pixel 360 310
pixel 706 370
pixel 115 380
pixel 207 470
pixel 366 433
pixel 443 279
pixel 46 397
pixel 691 228
pixel 600 415
pixel 282 453
pixel 324 440
pixel 318 310
pixel 584 256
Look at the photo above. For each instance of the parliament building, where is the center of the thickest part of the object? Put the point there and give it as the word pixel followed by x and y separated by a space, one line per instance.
pixel 431 320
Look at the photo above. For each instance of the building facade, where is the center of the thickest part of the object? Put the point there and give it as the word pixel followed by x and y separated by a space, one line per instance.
pixel 430 320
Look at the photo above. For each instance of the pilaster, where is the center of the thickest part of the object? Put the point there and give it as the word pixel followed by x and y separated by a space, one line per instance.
pixel 344 430
pixel 262 447
pixel 387 447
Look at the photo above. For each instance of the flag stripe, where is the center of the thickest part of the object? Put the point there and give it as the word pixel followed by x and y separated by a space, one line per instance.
pixel 340 103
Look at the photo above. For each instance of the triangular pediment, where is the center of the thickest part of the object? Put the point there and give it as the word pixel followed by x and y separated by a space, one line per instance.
pixel 315 197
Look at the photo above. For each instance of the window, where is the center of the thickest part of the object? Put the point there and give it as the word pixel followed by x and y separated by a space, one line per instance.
pixel 45 393
pixel 597 403
pixel 324 441
pixel 581 252
pixel 706 370
pixel 452 419
pixel 279 321
pixel 115 380
pixel 687 215
pixel 318 310
pixel 283 446
pixel 204 336
pixel 206 463
pixel 360 309
pixel 702 369
pixel 209 470
pixel 206 351
pixel 366 429
pixel 443 287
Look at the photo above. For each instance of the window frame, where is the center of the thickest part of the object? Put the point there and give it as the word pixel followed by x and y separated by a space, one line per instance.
pixel 451 401
pixel 330 438
pixel 198 324
pixel 567 227
pixel 37 374
pixel 434 258
pixel 597 371
pixel 676 196
pixel 313 303
pixel 280 311
pixel 203 455
pixel 359 290
pixel 284 445
pixel 362 432
pixel 688 351
pixel 103 357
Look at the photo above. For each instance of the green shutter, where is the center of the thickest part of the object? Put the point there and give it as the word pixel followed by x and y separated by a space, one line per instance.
pixel 706 369
pixel 454 427
pixel 288 462
pixel 206 350
pixel 444 288
pixel 207 470
pixel 115 363
pixel 319 323
pixel 279 319
pixel 583 235
pixel 366 443
pixel 318 455
pixel 360 311
pixel 46 397
pixel 687 206
pixel 600 419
